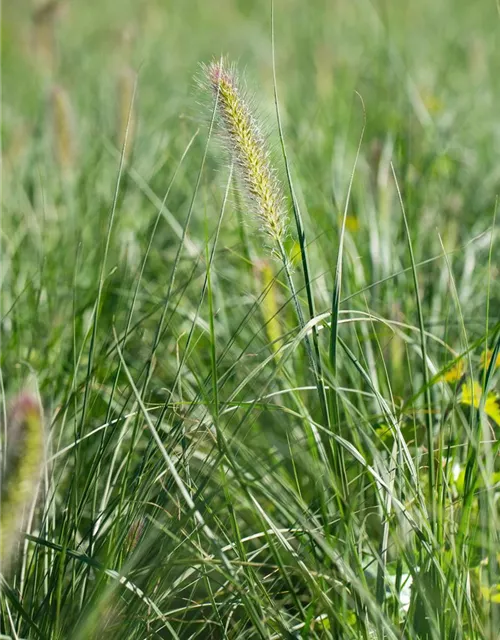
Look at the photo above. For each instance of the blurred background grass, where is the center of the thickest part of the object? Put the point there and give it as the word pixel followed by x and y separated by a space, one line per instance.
pixel 427 75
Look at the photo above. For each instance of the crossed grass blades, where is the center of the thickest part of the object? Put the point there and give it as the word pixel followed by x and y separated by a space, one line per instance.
pixel 213 471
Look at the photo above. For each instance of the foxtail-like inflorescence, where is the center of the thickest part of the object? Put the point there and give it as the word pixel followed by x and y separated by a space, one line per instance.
pixel 44 20
pixel 21 465
pixel 249 150
pixel 63 128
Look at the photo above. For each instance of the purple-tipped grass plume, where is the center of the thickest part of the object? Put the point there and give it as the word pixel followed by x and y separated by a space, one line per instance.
pixel 248 147
pixel 22 461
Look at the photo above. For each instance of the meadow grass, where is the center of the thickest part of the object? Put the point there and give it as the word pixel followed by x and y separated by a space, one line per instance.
pixel 291 434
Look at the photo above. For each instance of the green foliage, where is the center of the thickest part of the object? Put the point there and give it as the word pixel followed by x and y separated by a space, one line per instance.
pixel 236 449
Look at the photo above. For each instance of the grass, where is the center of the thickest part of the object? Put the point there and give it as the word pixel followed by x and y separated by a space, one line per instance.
pixel 239 446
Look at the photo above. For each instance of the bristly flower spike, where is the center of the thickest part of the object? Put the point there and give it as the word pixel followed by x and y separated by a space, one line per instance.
pixel 251 157
pixel 63 128
pixel 21 466
pixel 248 147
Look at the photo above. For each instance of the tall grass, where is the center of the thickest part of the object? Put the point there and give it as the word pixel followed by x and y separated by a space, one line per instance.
pixel 239 446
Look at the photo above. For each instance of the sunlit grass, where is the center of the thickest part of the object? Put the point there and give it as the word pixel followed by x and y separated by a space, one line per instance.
pixel 242 445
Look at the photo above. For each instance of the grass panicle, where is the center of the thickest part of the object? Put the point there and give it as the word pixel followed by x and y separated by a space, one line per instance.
pixel 44 26
pixel 23 456
pixel 63 128
pixel 248 146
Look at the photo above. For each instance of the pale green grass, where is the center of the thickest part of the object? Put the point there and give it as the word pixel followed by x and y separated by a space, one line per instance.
pixel 204 478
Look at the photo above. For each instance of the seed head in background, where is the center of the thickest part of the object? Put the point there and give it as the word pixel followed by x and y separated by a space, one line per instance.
pixel 45 16
pixel 249 150
pixel 63 128
pixel 21 465
pixel 126 116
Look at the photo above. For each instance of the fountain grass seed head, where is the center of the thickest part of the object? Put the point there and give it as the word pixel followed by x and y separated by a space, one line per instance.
pixel 21 465
pixel 63 128
pixel 248 147
pixel 44 45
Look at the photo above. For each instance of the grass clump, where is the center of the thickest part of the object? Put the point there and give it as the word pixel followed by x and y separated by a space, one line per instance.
pixel 235 446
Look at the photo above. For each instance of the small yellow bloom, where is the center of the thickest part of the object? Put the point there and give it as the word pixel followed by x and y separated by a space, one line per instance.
pixel 455 372
pixel 473 397
pixel 486 359
pixel 351 223
pixel 432 103
pixel 491 594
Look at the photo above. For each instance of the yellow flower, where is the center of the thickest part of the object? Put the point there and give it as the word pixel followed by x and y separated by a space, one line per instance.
pixel 455 372
pixel 491 594
pixel 351 223
pixel 432 103
pixel 486 359
pixel 473 397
